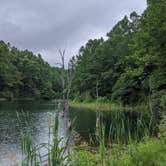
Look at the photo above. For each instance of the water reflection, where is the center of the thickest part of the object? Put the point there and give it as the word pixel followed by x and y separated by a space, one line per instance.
pixel 36 117
pixel 64 132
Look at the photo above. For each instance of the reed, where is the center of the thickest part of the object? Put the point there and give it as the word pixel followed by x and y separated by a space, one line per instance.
pixel 102 148
pixel 125 126
pixel 55 152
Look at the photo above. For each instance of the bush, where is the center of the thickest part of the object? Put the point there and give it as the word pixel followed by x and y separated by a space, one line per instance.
pixel 159 100
pixel 150 152
pixel 84 158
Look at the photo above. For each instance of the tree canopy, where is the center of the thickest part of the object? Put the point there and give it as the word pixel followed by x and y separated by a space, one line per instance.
pixel 130 64
pixel 23 74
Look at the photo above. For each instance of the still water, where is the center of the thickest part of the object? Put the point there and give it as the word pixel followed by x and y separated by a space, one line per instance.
pixel 23 115
pixel 20 116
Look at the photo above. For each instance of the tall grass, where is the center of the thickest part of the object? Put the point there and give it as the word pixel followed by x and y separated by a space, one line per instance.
pixel 52 153
pixel 122 126
pixel 102 148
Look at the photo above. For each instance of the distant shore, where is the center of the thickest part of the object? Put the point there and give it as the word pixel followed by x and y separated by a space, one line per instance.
pixel 106 106
pixel 23 98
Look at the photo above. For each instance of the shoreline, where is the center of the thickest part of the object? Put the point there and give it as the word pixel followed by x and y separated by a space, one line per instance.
pixel 26 99
pixel 106 106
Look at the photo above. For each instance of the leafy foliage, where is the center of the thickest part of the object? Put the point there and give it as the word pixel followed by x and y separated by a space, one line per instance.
pixel 130 64
pixel 23 74
pixel 150 152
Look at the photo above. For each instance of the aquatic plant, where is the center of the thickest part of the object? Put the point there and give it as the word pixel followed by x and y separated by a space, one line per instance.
pixel 52 153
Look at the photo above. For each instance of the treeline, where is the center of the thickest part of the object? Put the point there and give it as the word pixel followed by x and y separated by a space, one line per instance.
pixel 23 74
pixel 130 65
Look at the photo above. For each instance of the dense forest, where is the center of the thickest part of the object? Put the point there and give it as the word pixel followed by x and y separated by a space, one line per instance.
pixel 130 65
pixel 23 74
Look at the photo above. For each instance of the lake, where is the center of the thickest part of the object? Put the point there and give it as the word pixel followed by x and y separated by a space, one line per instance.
pixel 22 115
pixel 36 115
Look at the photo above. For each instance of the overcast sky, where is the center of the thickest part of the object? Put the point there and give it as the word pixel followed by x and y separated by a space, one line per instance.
pixel 44 26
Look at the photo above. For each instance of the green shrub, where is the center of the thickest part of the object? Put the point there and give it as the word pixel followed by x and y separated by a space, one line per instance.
pixel 84 158
pixel 149 153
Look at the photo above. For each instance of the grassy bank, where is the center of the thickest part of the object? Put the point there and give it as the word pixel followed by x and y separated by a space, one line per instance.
pixel 150 151
pixel 106 106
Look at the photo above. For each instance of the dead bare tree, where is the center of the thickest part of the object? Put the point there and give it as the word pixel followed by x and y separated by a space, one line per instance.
pixel 62 74
pixel 70 76
pixel 66 77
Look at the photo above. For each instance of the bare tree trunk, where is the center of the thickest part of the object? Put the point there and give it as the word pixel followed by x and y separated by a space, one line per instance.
pixel 70 77
pixel 62 76
pixel 66 81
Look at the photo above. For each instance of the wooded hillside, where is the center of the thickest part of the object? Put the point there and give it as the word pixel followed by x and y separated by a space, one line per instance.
pixel 130 65
pixel 23 74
